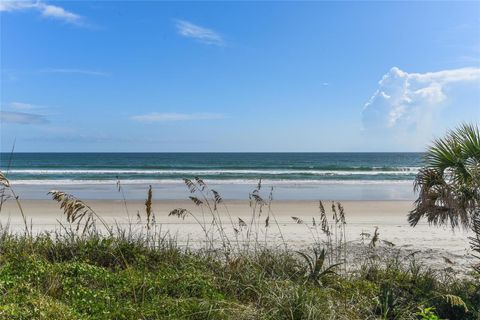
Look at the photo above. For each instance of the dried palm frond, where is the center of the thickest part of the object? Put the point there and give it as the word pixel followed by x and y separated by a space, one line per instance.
pixel 440 202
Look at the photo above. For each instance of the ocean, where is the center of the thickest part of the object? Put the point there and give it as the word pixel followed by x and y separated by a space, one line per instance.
pixel 94 174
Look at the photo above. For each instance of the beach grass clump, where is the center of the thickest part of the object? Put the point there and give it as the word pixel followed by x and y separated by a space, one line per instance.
pixel 96 290
pixel 107 277
pixel 85 271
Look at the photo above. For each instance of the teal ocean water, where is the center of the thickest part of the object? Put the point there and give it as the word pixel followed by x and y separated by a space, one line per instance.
pixel 72 168
pixel 283 170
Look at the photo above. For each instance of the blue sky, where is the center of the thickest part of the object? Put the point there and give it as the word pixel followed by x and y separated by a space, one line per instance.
pixel 159 76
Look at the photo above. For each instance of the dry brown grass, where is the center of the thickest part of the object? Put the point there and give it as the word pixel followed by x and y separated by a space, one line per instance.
pixel 78 212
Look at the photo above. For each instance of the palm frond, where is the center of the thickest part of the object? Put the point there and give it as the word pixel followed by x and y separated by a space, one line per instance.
pixel 448 186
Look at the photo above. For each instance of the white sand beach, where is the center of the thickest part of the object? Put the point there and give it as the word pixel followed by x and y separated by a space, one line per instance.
pixel 433 243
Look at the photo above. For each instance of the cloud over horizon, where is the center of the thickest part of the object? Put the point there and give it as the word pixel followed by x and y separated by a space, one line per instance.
pixel 170 117
pixel 201 34
pixel 46 10
pixel 22 118
pixel 405 101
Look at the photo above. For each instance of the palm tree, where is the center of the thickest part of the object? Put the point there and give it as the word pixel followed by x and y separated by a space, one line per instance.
pixel 475 240
pixel 448 186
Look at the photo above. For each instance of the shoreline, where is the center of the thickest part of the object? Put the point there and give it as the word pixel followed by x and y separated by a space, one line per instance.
pixel 350 190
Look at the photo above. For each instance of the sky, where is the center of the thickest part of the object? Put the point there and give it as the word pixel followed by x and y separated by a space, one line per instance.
pixel 236 76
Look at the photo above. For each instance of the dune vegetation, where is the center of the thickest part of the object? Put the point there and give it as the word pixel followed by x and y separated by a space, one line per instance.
pixel 90 269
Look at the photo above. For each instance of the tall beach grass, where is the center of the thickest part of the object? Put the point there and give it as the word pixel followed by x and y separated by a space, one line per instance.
pixel 92 269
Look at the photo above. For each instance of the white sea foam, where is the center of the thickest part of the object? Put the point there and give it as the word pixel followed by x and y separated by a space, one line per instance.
pixel 284 182
pixel 379 171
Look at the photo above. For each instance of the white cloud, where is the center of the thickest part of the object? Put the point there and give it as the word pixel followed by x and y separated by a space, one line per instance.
pixel 407 100
pixel 21 106
pixel 190 30
pixel 46 10
pixel 77 71
pixel 168 117
pixel 22 118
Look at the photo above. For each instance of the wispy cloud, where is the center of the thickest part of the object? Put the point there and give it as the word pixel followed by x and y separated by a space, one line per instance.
pixel 76 71
pixel 407 100
pixel 22 113
pixel 168 117
pixel 46 10
pixel 21 106
pixel 22 118
pixel 201 34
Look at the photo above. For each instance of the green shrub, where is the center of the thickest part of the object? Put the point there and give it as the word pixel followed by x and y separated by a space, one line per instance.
pixel 121 278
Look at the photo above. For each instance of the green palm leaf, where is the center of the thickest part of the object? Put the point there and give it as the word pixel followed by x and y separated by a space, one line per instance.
pixel 448 187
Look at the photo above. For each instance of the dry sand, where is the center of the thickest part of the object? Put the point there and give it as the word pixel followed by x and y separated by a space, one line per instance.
pixel 434 244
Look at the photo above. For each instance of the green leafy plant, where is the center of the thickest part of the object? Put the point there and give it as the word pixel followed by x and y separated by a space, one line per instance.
pixel 427 314
pixel 317 270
